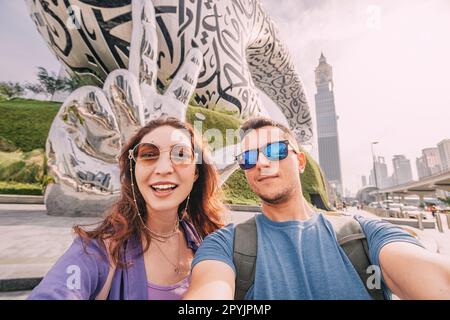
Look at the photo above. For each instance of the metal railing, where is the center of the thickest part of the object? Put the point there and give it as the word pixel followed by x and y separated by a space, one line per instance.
pixel 419 216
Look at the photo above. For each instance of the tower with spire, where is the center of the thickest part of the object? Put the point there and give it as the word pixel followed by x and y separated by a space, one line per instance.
pixel 327 132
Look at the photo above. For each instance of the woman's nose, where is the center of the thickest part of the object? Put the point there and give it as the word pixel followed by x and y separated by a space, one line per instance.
pixel 164 165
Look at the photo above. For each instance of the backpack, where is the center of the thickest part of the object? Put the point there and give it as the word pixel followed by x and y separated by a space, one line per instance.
pixel 349 234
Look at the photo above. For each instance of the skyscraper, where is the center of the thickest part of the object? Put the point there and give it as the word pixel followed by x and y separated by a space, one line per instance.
pixel 371 178
pixel 421 168
pixel 431 160
pixel 327 133
pixel 402 169
pixel 381 174
pixel 363 181
pixel 444 153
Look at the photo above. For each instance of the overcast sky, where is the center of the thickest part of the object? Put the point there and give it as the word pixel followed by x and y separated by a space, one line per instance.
pixel 390 58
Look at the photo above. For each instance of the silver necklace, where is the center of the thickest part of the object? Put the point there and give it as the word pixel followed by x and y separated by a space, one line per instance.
pixel 161 237
pixel 177 267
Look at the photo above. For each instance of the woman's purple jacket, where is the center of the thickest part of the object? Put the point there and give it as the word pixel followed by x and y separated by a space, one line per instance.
pixel 81 272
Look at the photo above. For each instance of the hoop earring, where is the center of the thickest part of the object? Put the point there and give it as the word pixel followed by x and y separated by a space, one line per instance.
pixel 184 214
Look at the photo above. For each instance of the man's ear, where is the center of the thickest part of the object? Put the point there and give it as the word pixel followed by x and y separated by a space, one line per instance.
pixel 301 161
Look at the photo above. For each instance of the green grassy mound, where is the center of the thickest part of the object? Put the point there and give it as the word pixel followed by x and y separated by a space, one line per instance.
pixel 25 167
pixel 26 123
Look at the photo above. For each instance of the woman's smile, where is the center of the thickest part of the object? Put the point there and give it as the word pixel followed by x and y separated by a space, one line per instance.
pixel 163 188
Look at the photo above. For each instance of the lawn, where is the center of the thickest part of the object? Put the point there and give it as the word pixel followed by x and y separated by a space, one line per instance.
pixel 26 123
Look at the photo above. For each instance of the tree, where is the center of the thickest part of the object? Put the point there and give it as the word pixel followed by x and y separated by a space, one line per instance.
pixel 47 83
pixel 50 81
pixel 74 82
pixel 34 87
pixel 11 89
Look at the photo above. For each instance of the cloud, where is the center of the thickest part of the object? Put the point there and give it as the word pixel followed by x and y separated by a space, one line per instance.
pixel 22 48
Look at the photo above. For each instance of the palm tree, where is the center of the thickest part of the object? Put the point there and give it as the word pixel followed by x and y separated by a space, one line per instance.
pixel 74 82
pixel 50 82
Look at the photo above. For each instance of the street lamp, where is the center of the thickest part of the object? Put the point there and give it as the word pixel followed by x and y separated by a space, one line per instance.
pixel 373 161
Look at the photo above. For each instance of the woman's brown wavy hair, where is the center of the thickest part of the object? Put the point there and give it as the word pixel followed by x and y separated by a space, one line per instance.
pixel 205 209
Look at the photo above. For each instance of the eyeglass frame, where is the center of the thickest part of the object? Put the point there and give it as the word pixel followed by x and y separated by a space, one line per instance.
pixel 193 159
pixel 286 141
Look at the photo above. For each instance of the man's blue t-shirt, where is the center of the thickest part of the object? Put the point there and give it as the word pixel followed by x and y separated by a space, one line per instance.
pixel 302 259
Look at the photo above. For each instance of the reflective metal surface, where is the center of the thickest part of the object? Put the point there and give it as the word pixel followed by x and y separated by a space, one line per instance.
pixel 88 133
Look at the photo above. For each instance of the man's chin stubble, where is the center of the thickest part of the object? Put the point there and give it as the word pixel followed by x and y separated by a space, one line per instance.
pixel 277 199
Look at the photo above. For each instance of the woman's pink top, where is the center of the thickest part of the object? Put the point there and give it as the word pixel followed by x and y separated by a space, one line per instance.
pixel 172 292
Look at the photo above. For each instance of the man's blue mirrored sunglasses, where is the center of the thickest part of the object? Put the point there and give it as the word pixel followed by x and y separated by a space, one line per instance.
pixel 274 151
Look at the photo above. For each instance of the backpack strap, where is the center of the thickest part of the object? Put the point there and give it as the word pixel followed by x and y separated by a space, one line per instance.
pixel 349 234
pixel 353 241
pixel 245 247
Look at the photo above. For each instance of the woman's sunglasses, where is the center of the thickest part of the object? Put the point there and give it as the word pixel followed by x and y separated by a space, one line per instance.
pixel 148 153
pixel 274 151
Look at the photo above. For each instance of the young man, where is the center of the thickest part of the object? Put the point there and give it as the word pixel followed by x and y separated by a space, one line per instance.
pixel 298 255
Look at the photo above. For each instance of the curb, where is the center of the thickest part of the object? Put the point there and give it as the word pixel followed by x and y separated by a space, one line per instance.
pixel 241 207
pixel 25 199
pixel 21 199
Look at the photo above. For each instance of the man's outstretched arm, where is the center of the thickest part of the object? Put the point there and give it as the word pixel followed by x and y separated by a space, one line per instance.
pixel 412 272
pixel 211 280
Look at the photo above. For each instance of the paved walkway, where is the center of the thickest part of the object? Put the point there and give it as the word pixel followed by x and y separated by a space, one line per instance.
pixel 31 241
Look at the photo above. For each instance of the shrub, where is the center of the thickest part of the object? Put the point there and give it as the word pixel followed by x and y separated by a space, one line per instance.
pixel 22 167
pixel 12 187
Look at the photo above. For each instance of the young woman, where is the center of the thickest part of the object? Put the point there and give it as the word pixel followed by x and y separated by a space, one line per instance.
pixel 144 247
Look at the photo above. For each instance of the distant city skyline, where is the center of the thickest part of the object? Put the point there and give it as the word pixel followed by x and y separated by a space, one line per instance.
pixel 432 160
pixel 390 63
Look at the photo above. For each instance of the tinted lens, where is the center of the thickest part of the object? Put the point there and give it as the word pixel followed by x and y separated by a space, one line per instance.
pixel 181 154
pixel 276 150
pixel 146 152
pixel 248 159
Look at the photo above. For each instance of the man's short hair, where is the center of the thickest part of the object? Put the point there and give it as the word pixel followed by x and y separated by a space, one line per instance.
pixel 259 122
